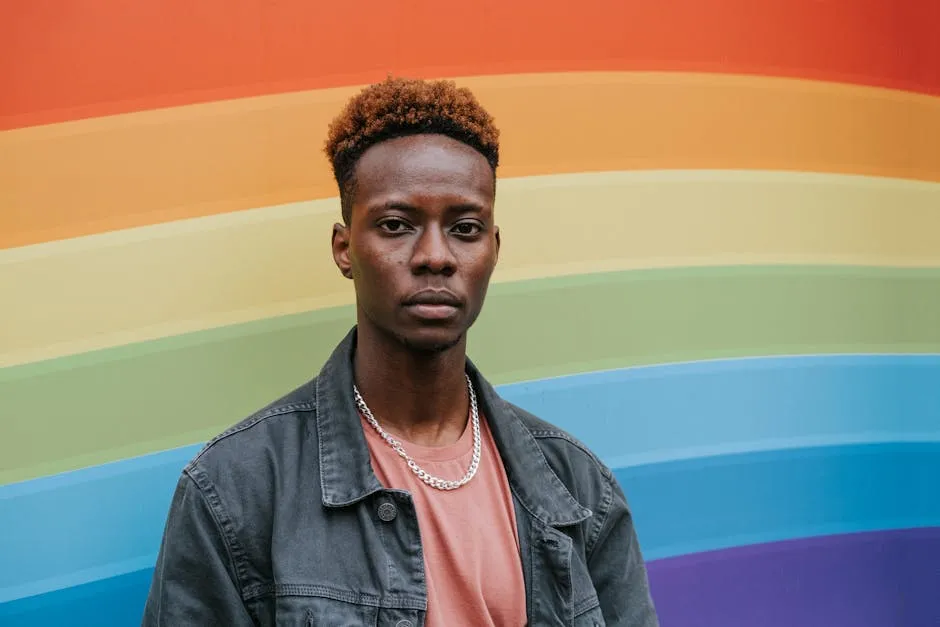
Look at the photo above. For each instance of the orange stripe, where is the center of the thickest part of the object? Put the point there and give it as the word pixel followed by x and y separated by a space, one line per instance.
pixel 110 173
pixel 81 58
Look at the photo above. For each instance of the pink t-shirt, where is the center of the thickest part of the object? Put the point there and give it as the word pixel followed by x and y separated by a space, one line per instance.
pixel 471 545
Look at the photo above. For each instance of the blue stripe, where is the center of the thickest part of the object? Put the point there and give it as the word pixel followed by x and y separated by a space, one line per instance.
pixel 675 411
pixel 112 602
pixel 661 427
pixel 720 502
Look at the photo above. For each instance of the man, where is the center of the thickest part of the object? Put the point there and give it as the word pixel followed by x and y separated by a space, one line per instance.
pixel 397 488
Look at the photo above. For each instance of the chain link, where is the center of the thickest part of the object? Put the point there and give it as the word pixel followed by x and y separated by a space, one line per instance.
pixel 431 480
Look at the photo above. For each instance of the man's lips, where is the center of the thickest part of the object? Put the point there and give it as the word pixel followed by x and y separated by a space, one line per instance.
pixel 433 297
pixel 433 304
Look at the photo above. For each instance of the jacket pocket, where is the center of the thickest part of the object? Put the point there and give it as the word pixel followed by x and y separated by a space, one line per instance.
pixel 327 609
pixel 322 612
pixel 589 615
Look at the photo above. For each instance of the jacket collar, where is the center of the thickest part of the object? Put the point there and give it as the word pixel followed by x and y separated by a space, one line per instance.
pixel 346 473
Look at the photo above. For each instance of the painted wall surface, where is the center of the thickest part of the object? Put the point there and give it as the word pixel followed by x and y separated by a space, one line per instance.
pixel 720 270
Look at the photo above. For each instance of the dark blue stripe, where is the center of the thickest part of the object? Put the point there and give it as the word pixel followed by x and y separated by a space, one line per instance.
pixel 710 503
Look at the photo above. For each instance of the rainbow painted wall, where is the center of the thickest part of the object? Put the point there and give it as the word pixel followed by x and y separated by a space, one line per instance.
pixel 721 270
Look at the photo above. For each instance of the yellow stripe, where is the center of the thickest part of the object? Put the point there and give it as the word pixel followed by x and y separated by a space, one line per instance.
pixel 91 176
pixel 109 289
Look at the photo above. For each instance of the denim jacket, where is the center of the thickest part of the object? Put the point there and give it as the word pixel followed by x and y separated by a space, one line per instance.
pixel 280 520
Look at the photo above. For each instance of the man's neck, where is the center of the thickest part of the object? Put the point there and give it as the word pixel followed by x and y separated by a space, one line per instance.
pixel 419 396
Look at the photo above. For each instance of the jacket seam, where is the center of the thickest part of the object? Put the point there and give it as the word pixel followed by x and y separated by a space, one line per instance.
pixel 223 523
pixel 394 601
pixel 560 435
pixel 280 410
pixel 535 433
pixel 585 605
pixel 522 502
pixel 601 520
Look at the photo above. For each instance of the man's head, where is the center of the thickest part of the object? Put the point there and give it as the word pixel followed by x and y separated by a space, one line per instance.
pixel 415 163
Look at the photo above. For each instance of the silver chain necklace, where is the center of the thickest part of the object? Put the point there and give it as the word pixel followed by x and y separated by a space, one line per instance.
pixel 434 482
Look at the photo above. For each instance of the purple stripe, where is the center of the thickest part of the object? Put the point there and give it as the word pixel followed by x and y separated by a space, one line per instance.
pixel 862 580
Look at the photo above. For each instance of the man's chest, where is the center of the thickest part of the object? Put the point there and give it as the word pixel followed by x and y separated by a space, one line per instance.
pixel 365 564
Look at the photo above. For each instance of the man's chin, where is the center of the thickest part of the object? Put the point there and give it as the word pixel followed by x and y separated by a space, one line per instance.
pixel 431 343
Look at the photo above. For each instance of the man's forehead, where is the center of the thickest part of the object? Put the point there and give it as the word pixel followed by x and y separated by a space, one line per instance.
pixel 423 163
pixel 423 151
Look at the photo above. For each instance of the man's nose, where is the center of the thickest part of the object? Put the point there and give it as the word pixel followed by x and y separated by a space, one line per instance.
pixel 433 252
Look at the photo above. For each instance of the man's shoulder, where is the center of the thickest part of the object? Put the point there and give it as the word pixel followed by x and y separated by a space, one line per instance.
pixel 587 479
pixel 562 450
pixel 274 429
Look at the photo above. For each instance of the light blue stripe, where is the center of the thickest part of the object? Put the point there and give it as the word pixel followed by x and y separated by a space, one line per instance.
pixel 647 422
pixel 65 534
pixel 675 411
pixel 177 457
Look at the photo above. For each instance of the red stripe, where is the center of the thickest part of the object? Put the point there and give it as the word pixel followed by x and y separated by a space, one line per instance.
pixel 67 59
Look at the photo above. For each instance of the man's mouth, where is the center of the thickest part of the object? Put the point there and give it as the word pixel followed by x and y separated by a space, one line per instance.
pixel 433 304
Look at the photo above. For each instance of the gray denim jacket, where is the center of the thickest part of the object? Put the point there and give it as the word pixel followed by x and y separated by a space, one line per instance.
pixel 280 520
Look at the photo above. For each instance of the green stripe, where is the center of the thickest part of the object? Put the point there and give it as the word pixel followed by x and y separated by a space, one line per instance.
pixel 92 408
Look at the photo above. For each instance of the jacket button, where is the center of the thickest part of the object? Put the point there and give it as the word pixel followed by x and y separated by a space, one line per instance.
pixel 387 513
pixel 403 623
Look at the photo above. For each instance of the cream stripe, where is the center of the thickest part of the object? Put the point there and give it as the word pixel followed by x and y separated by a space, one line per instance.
pixel 114 288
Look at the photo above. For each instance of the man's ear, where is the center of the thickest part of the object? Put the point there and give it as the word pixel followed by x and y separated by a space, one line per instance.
pixel 498 241
pixel 341 249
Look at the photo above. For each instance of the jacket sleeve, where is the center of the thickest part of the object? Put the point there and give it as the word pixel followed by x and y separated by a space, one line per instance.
pixel 194 582
pixel 617 567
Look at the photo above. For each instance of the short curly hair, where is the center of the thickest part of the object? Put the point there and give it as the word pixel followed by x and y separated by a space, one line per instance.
pixel 397 107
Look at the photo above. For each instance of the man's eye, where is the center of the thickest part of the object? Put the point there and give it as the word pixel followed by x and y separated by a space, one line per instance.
pixel 467 228
pixel 393 226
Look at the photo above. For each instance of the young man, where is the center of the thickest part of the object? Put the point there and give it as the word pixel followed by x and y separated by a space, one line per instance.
pixel 397 488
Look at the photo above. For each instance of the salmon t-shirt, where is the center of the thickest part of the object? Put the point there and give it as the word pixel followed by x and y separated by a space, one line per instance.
pixel 468 535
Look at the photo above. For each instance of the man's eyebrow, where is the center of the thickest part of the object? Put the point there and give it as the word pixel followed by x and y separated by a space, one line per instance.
pixel 464 206
pixel 393 204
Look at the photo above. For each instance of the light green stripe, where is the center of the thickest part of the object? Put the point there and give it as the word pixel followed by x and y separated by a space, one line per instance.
pixel 96 407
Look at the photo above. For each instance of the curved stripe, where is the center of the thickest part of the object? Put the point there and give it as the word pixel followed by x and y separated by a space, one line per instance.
pixel 89 176
pixel 527 330
pixel 862 580
pixel 114 525
pixel 137 285
pixel 703 409
pixel 688 410
pixel 710 503
pixel 105 602
pixel 134 57
pixel 867 579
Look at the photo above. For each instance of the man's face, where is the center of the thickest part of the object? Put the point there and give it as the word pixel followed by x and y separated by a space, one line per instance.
pixel 420 245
